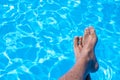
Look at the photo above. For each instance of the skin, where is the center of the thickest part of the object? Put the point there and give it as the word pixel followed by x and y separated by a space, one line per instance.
pixel 86 61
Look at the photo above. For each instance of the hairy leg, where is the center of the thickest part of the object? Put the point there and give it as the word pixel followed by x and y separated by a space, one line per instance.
pixel 78 41
pixel 85 64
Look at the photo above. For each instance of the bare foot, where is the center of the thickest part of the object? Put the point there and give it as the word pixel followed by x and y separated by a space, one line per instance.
pixel 86 61
pixel 78 45
pixel 89 42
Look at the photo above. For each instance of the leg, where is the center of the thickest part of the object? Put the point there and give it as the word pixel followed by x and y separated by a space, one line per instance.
pixel 80 42
pixel 84 65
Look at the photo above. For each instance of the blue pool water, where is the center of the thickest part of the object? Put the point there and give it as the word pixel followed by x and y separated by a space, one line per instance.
pixel 36 37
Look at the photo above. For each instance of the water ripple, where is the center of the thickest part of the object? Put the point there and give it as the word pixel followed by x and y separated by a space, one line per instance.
pixel 36 37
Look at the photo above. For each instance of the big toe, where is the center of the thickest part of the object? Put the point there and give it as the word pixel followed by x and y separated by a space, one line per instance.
pixel 87 31
pixel 76 41
pixel 86 35
pixel 93 33
pixel 92 30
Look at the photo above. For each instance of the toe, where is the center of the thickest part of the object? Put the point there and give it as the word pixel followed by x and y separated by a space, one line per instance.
pixel 92 30
pixel 76 41
pixel 87 31
pixel 86 34
pixel 80 41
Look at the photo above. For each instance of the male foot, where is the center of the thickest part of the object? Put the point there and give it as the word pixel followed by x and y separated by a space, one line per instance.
pixel 89 42
pixel 86 59
pixel 78 45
